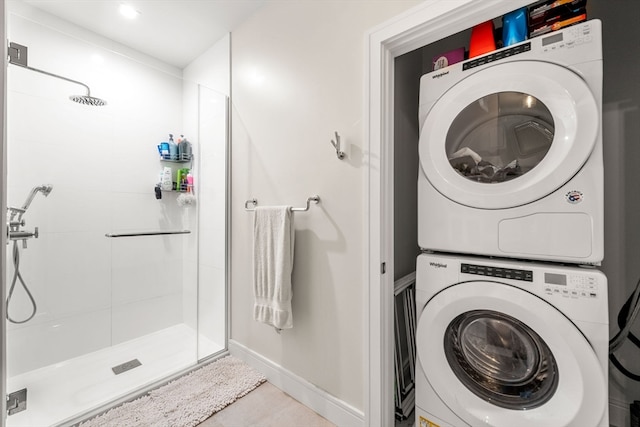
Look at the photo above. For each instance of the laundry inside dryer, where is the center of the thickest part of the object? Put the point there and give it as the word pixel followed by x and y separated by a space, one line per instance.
pixel 500 137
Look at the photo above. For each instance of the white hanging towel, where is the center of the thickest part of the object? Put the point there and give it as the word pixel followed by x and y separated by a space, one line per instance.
pixel 273 239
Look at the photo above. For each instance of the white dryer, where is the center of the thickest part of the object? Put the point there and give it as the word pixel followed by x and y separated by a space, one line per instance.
pixel 511 151
pixel 510 343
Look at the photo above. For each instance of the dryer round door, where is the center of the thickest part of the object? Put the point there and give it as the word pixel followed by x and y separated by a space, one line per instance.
pixel 509 134
pixel 499 356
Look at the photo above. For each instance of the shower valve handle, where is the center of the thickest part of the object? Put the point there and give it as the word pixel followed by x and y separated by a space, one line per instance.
pixel 23 235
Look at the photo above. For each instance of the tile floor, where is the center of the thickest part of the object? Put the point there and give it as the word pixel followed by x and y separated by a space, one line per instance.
pixel 266 406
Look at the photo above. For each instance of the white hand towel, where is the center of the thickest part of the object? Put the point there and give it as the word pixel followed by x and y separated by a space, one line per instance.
pixel 273 239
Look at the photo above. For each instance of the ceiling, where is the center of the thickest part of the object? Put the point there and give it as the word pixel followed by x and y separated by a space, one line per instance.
pixel 174 31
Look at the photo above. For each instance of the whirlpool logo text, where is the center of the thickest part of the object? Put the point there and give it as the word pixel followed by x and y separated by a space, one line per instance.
pixel 437 265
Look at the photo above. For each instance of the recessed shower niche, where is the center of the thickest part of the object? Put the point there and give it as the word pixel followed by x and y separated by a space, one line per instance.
pixel 109 294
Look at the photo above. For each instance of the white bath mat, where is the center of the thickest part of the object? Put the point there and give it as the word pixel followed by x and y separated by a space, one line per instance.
pixel 187 401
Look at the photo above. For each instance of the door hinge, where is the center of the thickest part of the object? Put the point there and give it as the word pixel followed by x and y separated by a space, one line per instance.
pixel 383 268
pixel 17 401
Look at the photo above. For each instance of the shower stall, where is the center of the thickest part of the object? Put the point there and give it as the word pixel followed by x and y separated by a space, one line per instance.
pixel 112 286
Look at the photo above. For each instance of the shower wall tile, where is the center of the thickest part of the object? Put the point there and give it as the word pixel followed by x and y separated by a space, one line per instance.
pixel 139 318
pixel 55 341
pixel 212 248
pixel 78 273
pixel 146 267
pixel 141 211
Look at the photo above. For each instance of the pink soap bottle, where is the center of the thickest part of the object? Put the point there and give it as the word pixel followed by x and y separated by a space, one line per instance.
pixel 189 183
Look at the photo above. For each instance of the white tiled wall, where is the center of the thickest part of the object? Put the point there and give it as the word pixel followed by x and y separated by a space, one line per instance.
pixel 91 291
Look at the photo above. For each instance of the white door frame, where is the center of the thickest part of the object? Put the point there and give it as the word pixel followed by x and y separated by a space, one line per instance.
pixel 426 23
pixel 3 220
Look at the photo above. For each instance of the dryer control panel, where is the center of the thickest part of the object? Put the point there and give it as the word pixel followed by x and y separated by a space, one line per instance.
pixel 561 43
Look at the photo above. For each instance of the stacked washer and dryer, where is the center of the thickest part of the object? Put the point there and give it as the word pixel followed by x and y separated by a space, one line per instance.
pixel 513 315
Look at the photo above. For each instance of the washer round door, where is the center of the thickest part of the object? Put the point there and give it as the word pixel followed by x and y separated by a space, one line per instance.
pixel 499 356
pixel 509 134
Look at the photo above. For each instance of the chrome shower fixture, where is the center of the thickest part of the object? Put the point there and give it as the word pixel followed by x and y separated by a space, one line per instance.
pixel 18 56
pixel 88 100
pixel 45 189
pixel 16 232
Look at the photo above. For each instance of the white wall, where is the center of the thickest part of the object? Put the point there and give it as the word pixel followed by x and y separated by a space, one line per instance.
pixel 297 76
pixel 91 291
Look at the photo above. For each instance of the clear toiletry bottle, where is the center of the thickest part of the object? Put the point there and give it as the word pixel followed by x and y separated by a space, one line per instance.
pixel 173 148
pixel 184 149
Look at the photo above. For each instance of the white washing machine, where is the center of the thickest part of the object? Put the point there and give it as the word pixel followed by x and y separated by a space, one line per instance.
pixel 510 343
pixel 511 151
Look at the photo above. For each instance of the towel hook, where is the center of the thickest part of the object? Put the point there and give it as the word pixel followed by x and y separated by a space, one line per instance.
pixel 336 145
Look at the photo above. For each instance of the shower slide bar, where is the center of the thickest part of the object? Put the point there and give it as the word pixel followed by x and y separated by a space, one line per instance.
pixel 254 202
pixel 147 233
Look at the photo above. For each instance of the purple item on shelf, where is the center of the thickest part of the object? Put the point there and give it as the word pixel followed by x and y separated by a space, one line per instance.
pixel 448 58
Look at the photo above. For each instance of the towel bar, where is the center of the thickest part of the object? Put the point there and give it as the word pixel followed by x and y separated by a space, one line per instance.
pixel 147 233
pixel 254 203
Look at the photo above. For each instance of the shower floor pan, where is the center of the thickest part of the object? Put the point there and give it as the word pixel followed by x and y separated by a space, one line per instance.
pixel 63 391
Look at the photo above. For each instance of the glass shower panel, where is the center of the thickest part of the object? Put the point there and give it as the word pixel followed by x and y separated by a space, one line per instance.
pixel 212 301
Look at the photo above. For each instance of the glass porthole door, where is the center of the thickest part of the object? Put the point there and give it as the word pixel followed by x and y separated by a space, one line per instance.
pixel 498 355
pixel 499 137
pixel 508 135
pixel 501 359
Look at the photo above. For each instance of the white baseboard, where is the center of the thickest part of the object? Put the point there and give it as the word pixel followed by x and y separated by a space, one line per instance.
pixel 333 409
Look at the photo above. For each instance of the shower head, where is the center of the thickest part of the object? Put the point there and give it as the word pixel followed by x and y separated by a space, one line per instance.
pixel 44 189
pixel 88 100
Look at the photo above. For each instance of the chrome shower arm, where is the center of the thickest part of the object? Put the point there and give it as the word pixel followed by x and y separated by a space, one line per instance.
pixel 54 75
pixel 18 56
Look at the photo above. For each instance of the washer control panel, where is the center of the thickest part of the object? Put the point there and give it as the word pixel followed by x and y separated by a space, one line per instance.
pixel 503 273
pixel 571 285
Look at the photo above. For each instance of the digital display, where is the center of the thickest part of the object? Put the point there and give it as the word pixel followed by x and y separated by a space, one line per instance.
pixel 552 39
pixel 555 279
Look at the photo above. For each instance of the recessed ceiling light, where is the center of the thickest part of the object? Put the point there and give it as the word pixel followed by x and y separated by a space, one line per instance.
pixel 128 11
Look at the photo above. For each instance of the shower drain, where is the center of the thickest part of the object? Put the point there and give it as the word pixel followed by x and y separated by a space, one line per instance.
pixel 126 366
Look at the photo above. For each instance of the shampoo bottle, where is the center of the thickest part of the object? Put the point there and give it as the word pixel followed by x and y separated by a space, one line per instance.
pixel 173 148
